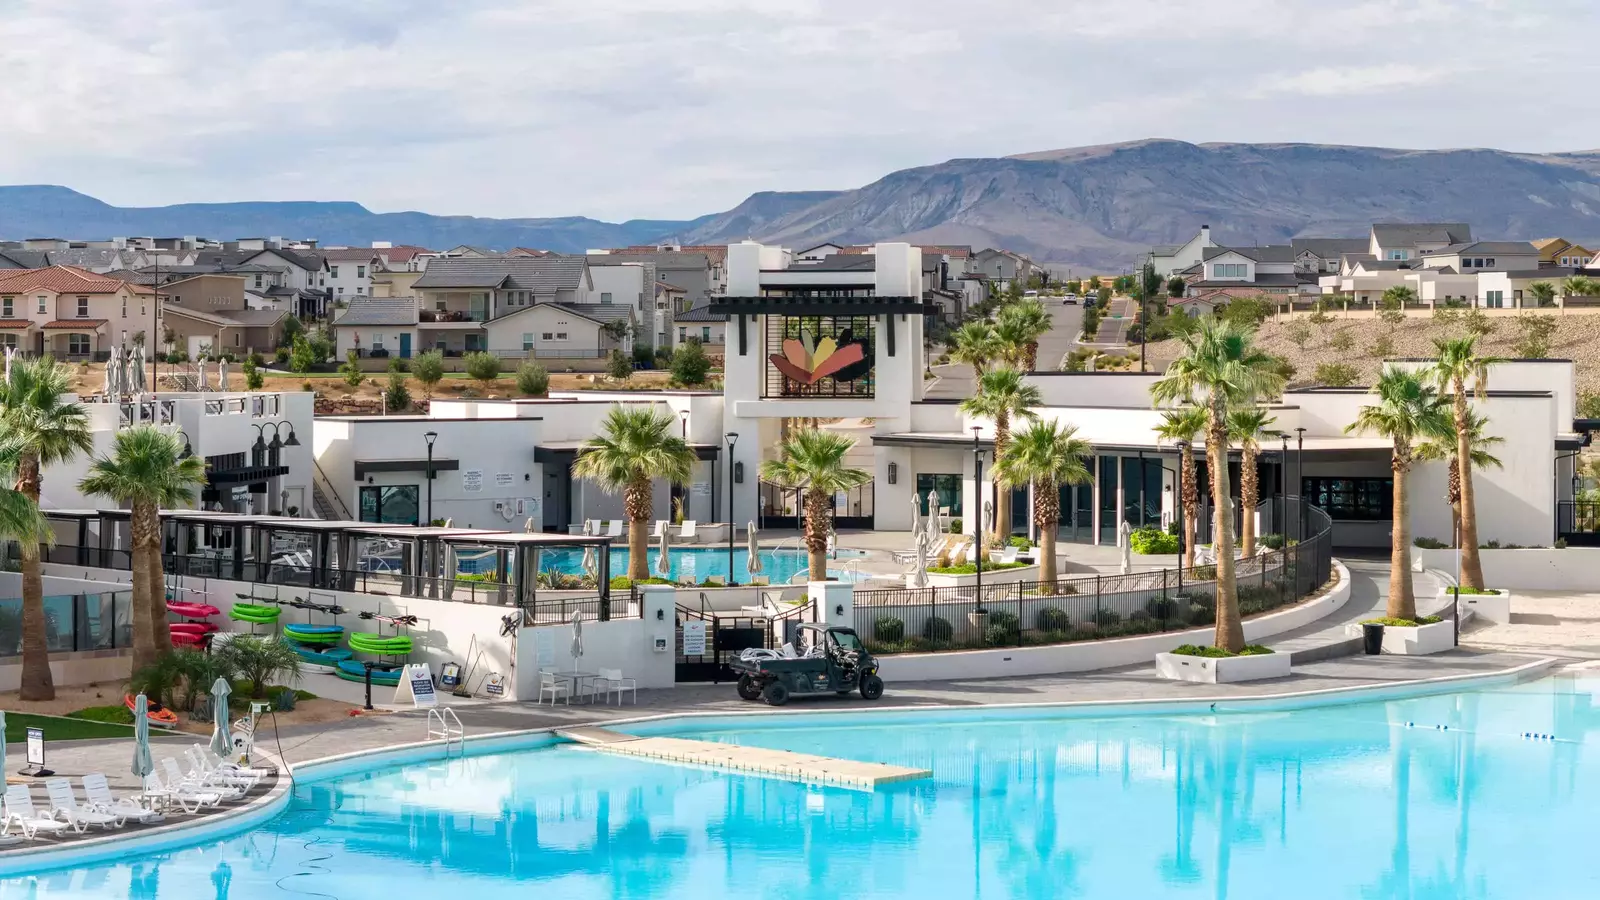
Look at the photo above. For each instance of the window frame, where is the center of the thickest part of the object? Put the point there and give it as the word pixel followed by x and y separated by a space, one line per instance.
pixel 1365 498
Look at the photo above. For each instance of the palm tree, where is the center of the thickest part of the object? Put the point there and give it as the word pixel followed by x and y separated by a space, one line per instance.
pixel 636 445
pixel 1019 326
pixel 1182 425
pixel 1408 411
pixel 1045 455
pixel 1459 363
pixel 1543 292
pixel 21 521
pixel 814 460
pixel 1003 394
pixel 976 345
pixel 1248 426
pixel 1434 450
pixel 1220 360
pixel 148 471
pixel 41 429
pixel 1579 286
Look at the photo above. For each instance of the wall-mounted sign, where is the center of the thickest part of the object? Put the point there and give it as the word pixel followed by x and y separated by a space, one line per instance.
pixel 694 637
pixel 504 479
pixel 472 480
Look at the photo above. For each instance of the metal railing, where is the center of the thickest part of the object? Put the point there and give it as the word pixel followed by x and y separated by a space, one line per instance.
pixel 1091 607
pixel 1578 522
pixel 73 622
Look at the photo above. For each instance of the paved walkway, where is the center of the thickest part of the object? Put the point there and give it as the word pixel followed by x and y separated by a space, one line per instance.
pixel 1549 623
pixel 1329 637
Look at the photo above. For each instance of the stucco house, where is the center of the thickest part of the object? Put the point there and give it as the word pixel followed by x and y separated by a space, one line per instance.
pixel 1172 259
pixel 72 313
pixel 211 313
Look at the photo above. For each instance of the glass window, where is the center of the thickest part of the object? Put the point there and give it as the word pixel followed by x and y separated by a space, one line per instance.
pixel 83 307
pixel 361 271
pixel 605 297
pixel 705 334
pixel 78 344
pixel 334 271
pixel 7 307
pixel 377 340
pixel 948 489
pixel 42 302
pixel 1351 499
pixel 1488 263
pixel 527 340
pixel 683 334
pixel 1108 500
pixel 561 335
pixel 390 504
pixel 547 335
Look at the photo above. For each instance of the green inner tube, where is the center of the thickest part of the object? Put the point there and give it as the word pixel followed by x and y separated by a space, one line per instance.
pixel 250 612
pixel 398 645
pixel 313 634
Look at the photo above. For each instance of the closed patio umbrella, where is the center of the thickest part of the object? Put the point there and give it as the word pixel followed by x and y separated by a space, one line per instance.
pixel 577 638
pixel 916 515
pixel 591 562
pixel 933 516
pixel 663 557
pixel 137 383
pixel 222 374
pixel 221 740
pixel 449 571
pixel 919 576
pixel 752 563
pixel 142 763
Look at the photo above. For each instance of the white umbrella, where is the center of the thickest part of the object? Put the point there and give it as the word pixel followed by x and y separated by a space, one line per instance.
pixel 752 563
pixel 664 558
pixel 142 763
pixel 933 516
pixel 221 741
pixel 201 366
pixel 919 575
pixel 222 374
pixel 916 514
pixel 10 352
pixel 139 384
pixel 591 563
pixel 527 527
pixel 577 638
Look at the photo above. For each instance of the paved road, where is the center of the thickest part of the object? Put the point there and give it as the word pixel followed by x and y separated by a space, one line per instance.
pixel 1062 338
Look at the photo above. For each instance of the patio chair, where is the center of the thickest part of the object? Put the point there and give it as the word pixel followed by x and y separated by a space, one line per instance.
pixel 220 772
pixel 615 531
pixel 20 812
pixel 612 680
pixel 198 782
pixel 686 533
pixel 661 528
pixel 64 805
pixel 1006 555
pixel 962 554
pixel 760 580
pixel 550 684
pixel 591 526
pixel 204 753
pixel 98 792
pixel 184 797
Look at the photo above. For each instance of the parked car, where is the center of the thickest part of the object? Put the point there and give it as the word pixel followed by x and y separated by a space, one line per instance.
pixel 1070 300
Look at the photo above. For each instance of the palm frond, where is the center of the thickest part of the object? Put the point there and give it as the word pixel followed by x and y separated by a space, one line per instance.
pixel 635 443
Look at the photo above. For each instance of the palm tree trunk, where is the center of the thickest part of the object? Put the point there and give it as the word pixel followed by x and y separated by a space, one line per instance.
pixel 144 639
pixel 1030 356
pixel 1047 518
pixel 817 534
pixel 636 503
pixel 1249 488
pixel 161 629
pixel 1191 505
pixel 1002 495
pixel 1230 630
pixel 1471 564
pixel 1402 605
pixel 37 683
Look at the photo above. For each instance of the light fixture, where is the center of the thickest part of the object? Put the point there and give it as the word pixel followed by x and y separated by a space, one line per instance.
pixel 894 473
pixel 661 615
pixel 738 473
pixel 292 441
pixel 839 610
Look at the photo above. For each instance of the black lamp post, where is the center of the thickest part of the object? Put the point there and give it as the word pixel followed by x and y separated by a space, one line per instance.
pixel 1183 508
pixel 261 447
pixel 684 414
pixel 188 448
pixel 1299 474
pixel 430 437
pixel 1283 490
pixel 977 512
pixel 732 438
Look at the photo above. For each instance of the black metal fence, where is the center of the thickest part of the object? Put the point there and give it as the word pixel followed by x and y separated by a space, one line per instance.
pixel 1578 522
pixel 1092 607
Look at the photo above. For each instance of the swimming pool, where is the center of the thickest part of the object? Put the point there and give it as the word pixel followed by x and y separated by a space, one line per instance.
pixel 704 562
pixel 1332 802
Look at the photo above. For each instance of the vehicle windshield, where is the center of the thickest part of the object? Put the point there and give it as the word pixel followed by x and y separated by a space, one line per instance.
pixel 846 640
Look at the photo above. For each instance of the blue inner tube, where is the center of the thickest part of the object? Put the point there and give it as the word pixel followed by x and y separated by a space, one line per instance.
pixel 327 656
pixel 313 629
pixel 350 670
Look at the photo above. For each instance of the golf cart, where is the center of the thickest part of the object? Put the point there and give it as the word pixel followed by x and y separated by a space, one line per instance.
pixel 833 659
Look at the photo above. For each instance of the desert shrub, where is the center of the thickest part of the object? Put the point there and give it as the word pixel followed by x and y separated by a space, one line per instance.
pixel 1053 619
pixel 955 526
pixel 280 356
pixel 532 379
pixel 351 370
pixel 1203 573
pixel 396 397
pixel 1477 322
pixel 1271 541
pixel 1299 334
pixel 1335 374
pixel 1004 628
pixel 1589 404
pixel 690 365
pixel 1150 540
pixel 619 366
pixel 1105 618
pixel 937 630
pixel 1163 608
pixel 253 379
pixel 482 366
pixel 889 628
pixel 1446 315
pixel 1200 614
pixel 1533 336
pixel 1383 346
pixel 1428 543
pixel 1342 340
pixel 428 369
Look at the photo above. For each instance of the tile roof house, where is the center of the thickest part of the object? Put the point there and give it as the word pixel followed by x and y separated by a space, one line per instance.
pixel 85 313
pixel 1409 240
pixel 1562 252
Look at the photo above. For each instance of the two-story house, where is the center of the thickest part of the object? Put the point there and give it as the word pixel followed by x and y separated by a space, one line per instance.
pixel 397 269
pixel 210 314
pixel 295 279
pixel 73 314
pixel 1003 267
pixel 1226 272
pixel 632 280
pixel 350 271
pixel 1412 240
pixel 1562 252
pixel 1174 259
pixel 1322 256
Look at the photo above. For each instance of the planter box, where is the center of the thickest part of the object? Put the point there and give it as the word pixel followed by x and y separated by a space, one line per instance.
pixel 1495 607
pixel 990 576
pixel 1419 641
pixel 1203 670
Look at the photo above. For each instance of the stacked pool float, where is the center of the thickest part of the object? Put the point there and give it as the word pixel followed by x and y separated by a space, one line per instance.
pixel 254 613
pixel 379 645
pixel 193 631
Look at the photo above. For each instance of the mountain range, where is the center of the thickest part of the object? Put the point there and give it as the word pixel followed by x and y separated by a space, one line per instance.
pixel 1095 207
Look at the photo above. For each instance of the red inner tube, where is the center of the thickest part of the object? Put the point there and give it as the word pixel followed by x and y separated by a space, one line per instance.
pixel 193 610
pixel 192 627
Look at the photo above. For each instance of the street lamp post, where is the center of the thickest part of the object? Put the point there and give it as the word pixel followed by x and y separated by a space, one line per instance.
pixel 977 512
pixel 1299 475
pixel 430 437
pixel 732 438
pixel 1283 490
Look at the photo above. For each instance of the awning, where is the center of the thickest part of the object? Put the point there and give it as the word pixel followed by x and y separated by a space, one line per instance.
pixel 365 467
pixel 563 453
pixel 244 474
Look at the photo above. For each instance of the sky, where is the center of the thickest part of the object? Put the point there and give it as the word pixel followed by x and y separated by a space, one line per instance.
pixel 621 109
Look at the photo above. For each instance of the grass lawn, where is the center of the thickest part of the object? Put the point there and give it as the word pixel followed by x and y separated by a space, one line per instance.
pixel 57 728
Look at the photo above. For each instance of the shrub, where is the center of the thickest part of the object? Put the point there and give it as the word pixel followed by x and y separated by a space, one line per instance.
pixel 690 365
pixel 1342 340
pixel 532 379
pixel 1004 628
pixel 1428 543
pixel 396 396
pixel 1383 346
pixel 1203 573
pixel 1248 311
pixel 1020 542
pixel 972 568
pixel 623 582
pixel 619 366
pixel 1335 374
pixel 1219 653
pixel 1404 623
pixel 1201 614
pixel 1053 619
pixel 428 369
pixel 1589 404
pixel 302 357
pixel 1272 541
pixel 253 379
pixel 1446 315
pixel 1151 540
pixel 308 387
pixel 111 715
pixel 484 367
pixel 1477 322
pixel 159 680
pixel 280 356
pixel 1300 334
pixel 351 369
pixel 292 327
pixel 1105 618
pixel 889 628
pixel 955 526
pixel 1162 608
pixel 257 660
pixel 937 630
pixel 1535 332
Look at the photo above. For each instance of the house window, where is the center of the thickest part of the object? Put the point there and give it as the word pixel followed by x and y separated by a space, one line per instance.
pixel 7 307
pixel 341 291
pixel 561 335
pixel 605 297
pixel 258 281
pixel 948 489
pixel 83 307
pixel 377 341
pixel 683 334
pixel 42 303
pixel 78 344
pixel 474 342
pixel 705 334
pixel 1399 254
pixel 390 504
pixel 361 290
pixel 333 271
pixel 1494 299
pixel 1351 499
pixel 1489 263
pixel 1566 260
pixel 527 340
pixel 361 271
pixel 8 340
pixel 1230 270
pixel 124 307
pixel 547 336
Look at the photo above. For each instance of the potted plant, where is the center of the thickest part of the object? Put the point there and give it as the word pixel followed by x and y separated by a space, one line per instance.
pixel 979 618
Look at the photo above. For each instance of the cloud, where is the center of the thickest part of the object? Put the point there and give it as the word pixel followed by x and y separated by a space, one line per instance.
pixel 636 108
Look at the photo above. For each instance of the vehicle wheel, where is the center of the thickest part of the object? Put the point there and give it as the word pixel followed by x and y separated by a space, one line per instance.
pixel 748 688
pixel 871 687
pixel 775 694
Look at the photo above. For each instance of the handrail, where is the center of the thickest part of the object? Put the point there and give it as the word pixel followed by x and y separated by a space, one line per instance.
pixel 323 482
pixel 446 717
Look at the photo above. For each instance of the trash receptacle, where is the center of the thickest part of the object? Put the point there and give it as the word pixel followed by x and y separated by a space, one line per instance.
pixel 1371 638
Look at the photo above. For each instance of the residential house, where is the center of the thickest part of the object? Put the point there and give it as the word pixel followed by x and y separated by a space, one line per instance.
pixel 705 324
pixel 1003 267
pixel 519 307
pixel 210 314
pixel 18 258
pixel 1410 241
pixel 698 271
pixel 385 326
pixel 293 279
pixel 71 313
pixel 630 280
pixel 1562 252
pixel 1323 255
pixel 1227 272
pixel 397 269
pixel 670 300
pixel 350 271
pixel 819 252
pixel 1478 256
pixel 468 251
pixel 1173 259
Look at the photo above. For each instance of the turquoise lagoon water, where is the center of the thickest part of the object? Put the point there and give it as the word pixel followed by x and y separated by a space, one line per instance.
pixel 704 562
pixel 1332 802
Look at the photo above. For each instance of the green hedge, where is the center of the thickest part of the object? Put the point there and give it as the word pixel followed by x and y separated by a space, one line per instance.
pixel 1150 541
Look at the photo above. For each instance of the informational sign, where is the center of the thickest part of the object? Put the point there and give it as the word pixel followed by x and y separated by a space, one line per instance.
pixel 495 685
pixel 36 748
pixel 544 647
pixel 450 675
pixel 694 638
pixel 700 489
pixel 504 479
pixel 416 686
pixel 472 480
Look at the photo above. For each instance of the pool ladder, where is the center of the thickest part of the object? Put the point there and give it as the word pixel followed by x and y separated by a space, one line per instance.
pixel 449 728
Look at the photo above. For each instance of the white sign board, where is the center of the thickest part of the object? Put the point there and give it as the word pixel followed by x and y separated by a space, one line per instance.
pixel 700 489
pixel 36 747
pixel 694 638
pixel 504 479
pixel 544 648
pixel 472 481
pixel 495 685
pixel 416 686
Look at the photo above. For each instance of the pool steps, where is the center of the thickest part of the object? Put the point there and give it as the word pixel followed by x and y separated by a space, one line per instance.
pixel 786 764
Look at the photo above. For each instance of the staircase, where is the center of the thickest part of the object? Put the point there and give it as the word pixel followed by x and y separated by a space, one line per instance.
pixel 324 499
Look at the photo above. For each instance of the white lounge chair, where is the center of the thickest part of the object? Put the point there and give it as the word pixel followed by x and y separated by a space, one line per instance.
pixel 661 528
pixel 555 687
pixel 1006 555
pixel 64 806
pixel 213 771
pixel 962 554
pixel 200 781
pixel 612 680
pixel 615 531
pixel 905 557
pixel 212 761
pixel 29 822
pixel 185 797
pixel 98 790
pixel 686 533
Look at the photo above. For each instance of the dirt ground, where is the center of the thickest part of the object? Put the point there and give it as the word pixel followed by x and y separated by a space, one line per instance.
pixel 72 699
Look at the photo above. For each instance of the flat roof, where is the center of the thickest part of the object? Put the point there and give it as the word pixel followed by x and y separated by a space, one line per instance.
pixel 517 539
pixel 380 529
